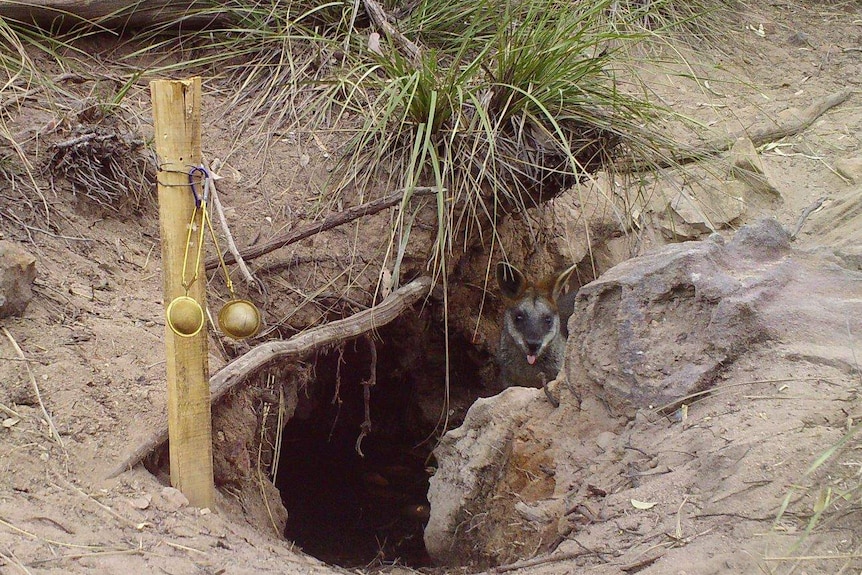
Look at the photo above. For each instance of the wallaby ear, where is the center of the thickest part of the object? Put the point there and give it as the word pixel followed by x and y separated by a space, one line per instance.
pixel 561 281
pixel 511 281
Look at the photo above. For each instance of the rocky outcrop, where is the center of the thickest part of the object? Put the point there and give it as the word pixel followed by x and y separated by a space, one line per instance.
pixel 756 339
pixel 656 329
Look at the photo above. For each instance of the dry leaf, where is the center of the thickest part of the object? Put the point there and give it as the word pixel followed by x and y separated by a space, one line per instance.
pixel 642 504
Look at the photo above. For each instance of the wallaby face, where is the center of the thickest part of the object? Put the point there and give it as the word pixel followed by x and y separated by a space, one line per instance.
pixel 532 340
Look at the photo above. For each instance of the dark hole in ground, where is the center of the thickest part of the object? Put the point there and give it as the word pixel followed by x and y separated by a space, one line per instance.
pixel 357 511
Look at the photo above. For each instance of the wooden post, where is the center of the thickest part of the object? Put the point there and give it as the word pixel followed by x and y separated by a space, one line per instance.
pixel 177 121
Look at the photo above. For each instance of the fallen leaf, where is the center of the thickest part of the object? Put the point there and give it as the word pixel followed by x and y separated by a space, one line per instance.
pixel 642 504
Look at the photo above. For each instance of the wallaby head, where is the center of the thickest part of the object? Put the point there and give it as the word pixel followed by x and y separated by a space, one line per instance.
pixel 532 319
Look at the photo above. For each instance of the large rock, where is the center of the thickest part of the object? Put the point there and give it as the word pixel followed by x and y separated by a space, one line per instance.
pixel 472 461
pixel 770 328
pixel 656 329
pixel 17 273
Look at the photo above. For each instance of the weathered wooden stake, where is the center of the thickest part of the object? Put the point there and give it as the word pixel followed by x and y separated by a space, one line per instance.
pixel 177 120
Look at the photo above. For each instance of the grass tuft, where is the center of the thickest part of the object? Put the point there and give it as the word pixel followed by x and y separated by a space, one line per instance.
pixel 503 113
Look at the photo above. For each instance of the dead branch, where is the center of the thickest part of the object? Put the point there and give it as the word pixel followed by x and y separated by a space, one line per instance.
pixel 118 14
pixel 331 221
pixel 544 559
pixel 231 244
pixel 759 135
pixel 299 345
pixel 381 20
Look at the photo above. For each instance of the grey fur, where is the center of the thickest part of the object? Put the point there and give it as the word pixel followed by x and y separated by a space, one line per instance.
pixel 532 327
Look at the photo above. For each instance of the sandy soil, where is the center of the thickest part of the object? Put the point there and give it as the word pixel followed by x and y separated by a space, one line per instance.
pixel 93 334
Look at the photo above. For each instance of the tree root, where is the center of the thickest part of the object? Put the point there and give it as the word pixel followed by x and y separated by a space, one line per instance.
pixel 331 221
pixel 759 135
pixel 301 344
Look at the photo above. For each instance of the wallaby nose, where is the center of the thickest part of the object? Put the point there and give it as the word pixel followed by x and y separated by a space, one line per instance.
pixel 533 347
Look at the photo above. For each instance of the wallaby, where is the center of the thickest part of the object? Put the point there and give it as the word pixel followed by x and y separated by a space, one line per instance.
pixel 533 336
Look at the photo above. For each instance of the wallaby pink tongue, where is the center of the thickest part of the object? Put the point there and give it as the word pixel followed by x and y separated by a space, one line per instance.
pixel 531 359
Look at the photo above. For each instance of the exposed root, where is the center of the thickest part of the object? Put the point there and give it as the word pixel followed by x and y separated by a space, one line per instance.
pixel 543 560
pixel 105 165
pixel 365 429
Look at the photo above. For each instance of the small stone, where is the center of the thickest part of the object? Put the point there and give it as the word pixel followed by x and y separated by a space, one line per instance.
pixel 533 513
pixel 766 236
pixel 674 228
pixel 173 499
pixel 747 167
pixel 709 210
pixel 17 273
pixel 850 168
pixel 141 502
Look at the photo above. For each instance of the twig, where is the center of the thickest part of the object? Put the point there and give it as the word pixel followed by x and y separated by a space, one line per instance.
pixel 804 216
pixel 538 561
pixel 813 557
pixel 231 244
pixel 365 429
pixel 17 98
pixel 83 139
pixel 299 345
pixel 14 562
pixel 183 547
pixel 758 135
pixel 126 521
pixel 40 230
pixel 35 385
pixel 9 411
pixel 334 220
pixel 381 20
pixel 134 551
pixel 26 533
pixel 641 563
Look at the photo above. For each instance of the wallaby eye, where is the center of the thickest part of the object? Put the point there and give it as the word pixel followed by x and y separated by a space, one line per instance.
pixel 549 320
pixel 519 317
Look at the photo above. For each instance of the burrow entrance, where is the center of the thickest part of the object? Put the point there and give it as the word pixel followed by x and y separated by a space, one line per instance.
pixel 357 510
